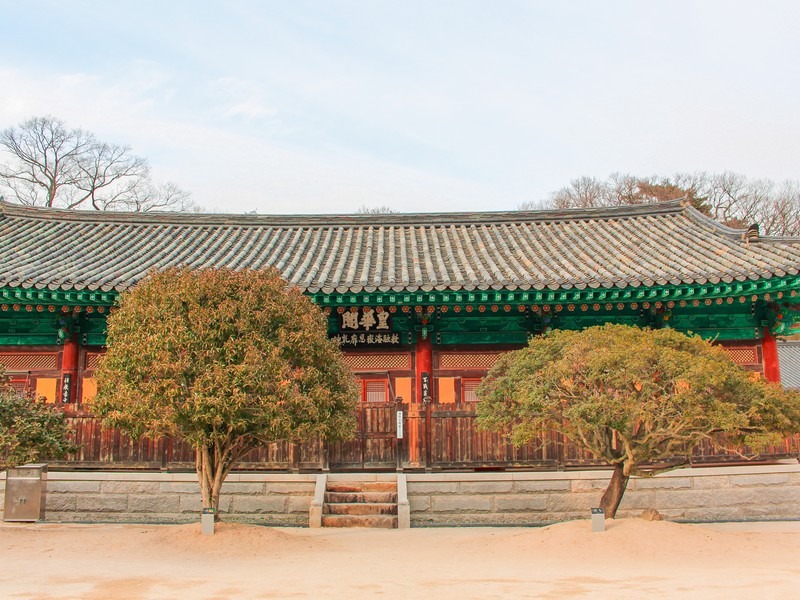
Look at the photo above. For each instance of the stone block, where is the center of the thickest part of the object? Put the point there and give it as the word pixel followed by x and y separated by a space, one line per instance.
pixel 60 503
pixel 756 497
pixel 298 504
pixel 179 487
pixel 711 482
pixel 659 483
pixel 193 504
pixel 760 480
pixel 461 519
pixel 572 503
pixel 639 500
pixel 520 502
pixel 189 504
pixel 270 520
pixel 295 488
pixel 707 513
pixel 682 499
pixel 774 511
pixel 757 513
pixel 432 487
pixel 419 503
pixel 154 504
pixel 588 485
pixel 486 476
pixel 544 485
pixel 461 503
pixel 258 504
pixel 98 503
pixel 71 487
pixel 237 488
pixel 129 487
pixel 485 487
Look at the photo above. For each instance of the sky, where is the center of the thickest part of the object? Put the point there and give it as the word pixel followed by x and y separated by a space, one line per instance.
pixel 421 105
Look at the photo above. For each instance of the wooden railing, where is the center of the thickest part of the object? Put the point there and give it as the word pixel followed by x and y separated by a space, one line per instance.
pixel 105 447
pixel 435 436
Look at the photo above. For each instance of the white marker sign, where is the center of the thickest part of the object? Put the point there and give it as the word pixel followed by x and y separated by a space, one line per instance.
pixel 399 424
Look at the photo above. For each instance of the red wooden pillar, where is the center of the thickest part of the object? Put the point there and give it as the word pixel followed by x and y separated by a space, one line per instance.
pixel 424 362
pixel 769 350
pixel 69 369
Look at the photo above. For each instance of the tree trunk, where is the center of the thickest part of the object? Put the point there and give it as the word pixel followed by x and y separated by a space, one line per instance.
pixel 613 494
pixel 212 466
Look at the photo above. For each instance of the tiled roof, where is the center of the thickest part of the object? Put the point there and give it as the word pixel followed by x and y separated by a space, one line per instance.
pixel 789 360
pixel 660 244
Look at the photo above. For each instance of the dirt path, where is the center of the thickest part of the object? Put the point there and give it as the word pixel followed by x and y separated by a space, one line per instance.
pixel 632 559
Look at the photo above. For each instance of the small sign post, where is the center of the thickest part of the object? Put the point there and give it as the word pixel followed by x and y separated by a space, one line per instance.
pixel 398 442
pixel 598 519
pixel 207 521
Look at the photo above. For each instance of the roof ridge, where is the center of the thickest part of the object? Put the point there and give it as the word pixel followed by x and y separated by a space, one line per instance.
pixel 316 220
pixel 708 221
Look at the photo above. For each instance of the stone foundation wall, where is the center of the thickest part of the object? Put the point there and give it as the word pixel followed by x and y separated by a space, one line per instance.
pixel 512 498
pixel 698 494
pixel 270 499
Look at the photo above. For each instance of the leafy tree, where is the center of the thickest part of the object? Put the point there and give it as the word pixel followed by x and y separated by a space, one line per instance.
pixel 30 430
pixel 227 360
pixel 51 165
pixel 639 399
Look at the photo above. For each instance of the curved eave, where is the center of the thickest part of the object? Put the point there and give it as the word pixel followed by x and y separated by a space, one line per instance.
pixel 775 288
pixel 618 286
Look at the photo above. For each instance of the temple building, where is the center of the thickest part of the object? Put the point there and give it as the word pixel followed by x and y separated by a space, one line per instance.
pixel 421 304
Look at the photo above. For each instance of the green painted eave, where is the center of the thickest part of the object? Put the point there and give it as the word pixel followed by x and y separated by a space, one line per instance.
pixel 775 287
pixel 12 295
pixel 788 285
pixel 736 310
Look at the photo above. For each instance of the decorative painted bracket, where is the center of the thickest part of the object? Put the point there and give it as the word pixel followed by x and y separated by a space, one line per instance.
pixel 787 319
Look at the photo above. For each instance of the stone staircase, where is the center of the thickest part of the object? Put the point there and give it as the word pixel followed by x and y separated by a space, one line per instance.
pixel 360 504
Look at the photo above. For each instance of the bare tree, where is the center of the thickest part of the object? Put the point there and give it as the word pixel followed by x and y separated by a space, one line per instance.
pixel 782 215
pixel 51 165
pixel 585 192
pixel 730 198
pixel 374 210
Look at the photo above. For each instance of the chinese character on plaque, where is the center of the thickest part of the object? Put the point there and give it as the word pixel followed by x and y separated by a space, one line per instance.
pixel 383 320
pixel 367 318
pixel 350 320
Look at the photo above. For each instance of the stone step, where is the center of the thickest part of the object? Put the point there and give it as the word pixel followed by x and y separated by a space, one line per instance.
pixel 376 521
pixel 362 486
pixel 360 509
pixel 351 497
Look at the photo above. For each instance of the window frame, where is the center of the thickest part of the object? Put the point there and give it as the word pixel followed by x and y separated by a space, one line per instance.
pixel 473 383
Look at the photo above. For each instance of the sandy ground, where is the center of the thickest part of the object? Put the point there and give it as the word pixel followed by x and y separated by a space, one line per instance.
pixel 631 559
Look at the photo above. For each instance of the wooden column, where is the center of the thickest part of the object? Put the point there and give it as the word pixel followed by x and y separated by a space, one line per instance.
pixel 423 364
pixel 769 350
pixel 69 370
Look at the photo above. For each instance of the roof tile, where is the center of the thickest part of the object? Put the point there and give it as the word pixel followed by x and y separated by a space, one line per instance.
pixel 620 247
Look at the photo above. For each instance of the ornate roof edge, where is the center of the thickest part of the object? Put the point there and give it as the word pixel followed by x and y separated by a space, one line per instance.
pixel 318 220
pixel 780 289
pixel 718 227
